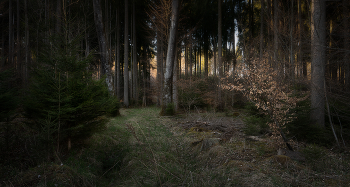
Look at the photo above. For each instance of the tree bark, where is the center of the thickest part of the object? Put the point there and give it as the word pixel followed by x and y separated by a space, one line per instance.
pixel 19 62
pixel 134 66
pixel 318 51
pixel 346 43
pixel 220 38
pixel 175 78
pixel 262 12
pixel 58 16
pixel 159 63
pixel 206 56
pixel 291 43
pixel 167 93
pixel 126 56
pixel 275 33
pixel 10 58
pixel 117 61
pixel 219 52
pixel 214 54
pixel 101 35
pixel 27 55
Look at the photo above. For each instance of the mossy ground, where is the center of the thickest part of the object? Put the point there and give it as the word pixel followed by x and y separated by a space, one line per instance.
pixel 141 148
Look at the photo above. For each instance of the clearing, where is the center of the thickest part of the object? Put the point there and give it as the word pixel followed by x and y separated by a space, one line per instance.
pixel 141 148
pixel 210 149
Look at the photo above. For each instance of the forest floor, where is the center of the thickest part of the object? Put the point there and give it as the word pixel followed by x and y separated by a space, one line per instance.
pixel 210 149
pixel 142 148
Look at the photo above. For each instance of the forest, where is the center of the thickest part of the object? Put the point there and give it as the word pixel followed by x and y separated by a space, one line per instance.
pixel 174 93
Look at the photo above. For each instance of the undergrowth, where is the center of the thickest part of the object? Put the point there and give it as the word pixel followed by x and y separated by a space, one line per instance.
pixel 141 148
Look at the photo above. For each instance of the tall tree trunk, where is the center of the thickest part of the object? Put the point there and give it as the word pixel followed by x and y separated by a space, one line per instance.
pixel 186 60
pixel 301 44
pixel 234 60
pixel 19 62
pixel 346 43
pixel 2 57
pixel 220 38
pixel 206 56
pixel 219 51
pixel 318 51
pixel 214 54
pixel 101 35
pixel 275 33
pixel 200 60
pixel 167 93
pixel 195 61
pixel 58 16
pixel 175 78
pixel 292 70
pixel 10 58
pixel 134 66
pixel 26 43
pixel 262 12
pixel 190 57
pixel 159 63
pixel 117 61
pixel 126 56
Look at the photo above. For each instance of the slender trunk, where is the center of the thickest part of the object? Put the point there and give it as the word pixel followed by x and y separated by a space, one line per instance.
pixel 159 63
pixel 291 43
pixel 10 58
pixel 175 78
pixel 180 68
pixel 262 12
pixel 101 35
pixel 170 56
pixel 195 62
pixel 318 38
pixel 58 16
pixel 346 44
pixel 19 63
pixel 135 91
pixel 126 56
pixel 206 56
pixel 190 57
pixel 117 61
pixel 275 33
pixel 214 51
pixel 2 57
pixel 186 60
pixel 301 43
pixel 27 56
pixel 220 39
pixel 234 60
pixel 219 53
pixel 200 60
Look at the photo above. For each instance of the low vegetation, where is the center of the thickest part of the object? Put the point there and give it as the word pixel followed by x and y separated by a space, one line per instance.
pixel 141 148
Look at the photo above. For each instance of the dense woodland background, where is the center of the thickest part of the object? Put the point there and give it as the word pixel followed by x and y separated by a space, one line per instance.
pixel 66 66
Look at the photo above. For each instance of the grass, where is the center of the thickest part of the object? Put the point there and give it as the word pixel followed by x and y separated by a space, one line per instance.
pixel 141 148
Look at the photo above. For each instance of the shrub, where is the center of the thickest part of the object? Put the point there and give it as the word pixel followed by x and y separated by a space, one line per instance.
pixel 8 98
pixel 64 91
pixel 256 123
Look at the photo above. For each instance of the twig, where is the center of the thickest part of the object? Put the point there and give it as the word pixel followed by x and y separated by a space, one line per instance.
pixel 329 115
pixel 110 169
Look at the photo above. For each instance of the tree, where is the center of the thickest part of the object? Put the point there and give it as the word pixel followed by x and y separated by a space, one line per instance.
pixel 134 54
pixel 126 55
pixel 117 60
pixel 219 48
pixel 318 48
pixel 167 93
pixel 64 100
pixel 101 35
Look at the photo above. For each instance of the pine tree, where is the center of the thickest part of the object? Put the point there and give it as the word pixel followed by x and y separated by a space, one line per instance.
pixel 64 91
